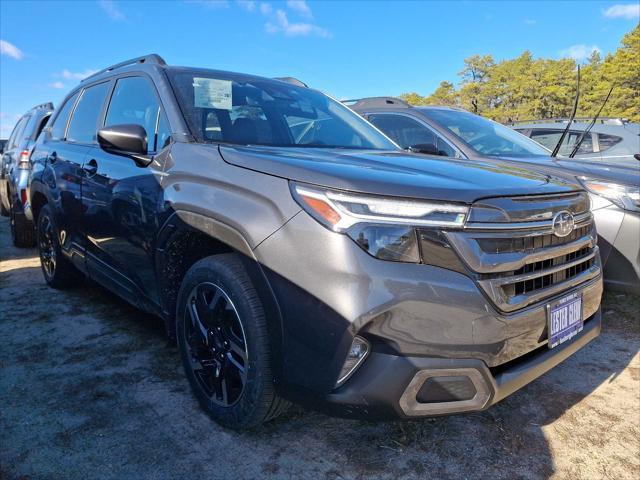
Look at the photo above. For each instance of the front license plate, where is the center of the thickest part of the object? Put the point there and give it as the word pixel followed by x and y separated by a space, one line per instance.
pixel 564 319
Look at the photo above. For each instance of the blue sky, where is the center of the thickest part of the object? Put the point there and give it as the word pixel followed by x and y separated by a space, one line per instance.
pixel 347 49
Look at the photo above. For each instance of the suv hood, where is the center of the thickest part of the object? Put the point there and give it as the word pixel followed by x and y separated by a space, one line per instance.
pixel 396 173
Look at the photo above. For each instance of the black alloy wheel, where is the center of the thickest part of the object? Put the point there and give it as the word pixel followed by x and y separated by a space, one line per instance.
pixel 224 341
pixel 217 344
pixel 58 271
pixel 47 248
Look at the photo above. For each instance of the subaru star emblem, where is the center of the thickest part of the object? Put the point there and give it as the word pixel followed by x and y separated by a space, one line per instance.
pixel 563 223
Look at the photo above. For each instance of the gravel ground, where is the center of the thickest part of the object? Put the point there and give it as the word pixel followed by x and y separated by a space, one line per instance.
pixel 90 388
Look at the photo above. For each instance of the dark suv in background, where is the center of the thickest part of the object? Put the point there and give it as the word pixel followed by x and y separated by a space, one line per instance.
pixel 14 172
pixel 614 185
pixel 297 254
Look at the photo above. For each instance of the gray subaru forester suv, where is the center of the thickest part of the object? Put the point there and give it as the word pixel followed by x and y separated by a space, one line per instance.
pixel 296 254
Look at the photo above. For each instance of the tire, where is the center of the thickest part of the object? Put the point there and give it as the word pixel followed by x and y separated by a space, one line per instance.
pixel 58 272
pixel 224 344
pixel 22 231
pixel 3 211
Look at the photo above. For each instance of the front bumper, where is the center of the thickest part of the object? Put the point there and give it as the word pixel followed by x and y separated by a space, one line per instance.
pixel 415 316
pixel 387 385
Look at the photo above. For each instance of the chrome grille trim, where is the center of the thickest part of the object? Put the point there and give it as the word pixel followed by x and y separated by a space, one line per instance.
pixel 519 263
pixel 541 273
pixel 510 304
pixel 483 262
pixel 546 225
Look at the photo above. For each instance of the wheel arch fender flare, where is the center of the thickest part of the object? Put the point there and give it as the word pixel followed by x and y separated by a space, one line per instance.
pixel 231 240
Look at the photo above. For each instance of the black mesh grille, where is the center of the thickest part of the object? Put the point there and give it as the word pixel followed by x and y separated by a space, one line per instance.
pixel 544 281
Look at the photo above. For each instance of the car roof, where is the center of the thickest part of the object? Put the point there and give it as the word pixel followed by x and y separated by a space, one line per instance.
pixel 392 103
pixel 154 62
pixel 624 129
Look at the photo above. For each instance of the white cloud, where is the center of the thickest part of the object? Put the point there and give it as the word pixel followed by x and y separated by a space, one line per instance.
pixel 281 24
pixel 530 21
pixel 301 7
pixel 75 75
pixel 579 52
pixel 621 10
pixel 57 85
pixel 10 50
pixel 265 9
pixel 248 5
pixel 111 9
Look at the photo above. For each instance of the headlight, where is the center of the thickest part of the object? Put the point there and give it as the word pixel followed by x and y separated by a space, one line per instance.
pixel 382 226
pixel 340 210
pixel 626 197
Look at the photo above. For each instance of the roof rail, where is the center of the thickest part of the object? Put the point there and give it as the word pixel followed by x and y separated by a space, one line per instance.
pixel 376 102
pixel 292 81
pixel 151 58
pixel 48 105
pixel 602 120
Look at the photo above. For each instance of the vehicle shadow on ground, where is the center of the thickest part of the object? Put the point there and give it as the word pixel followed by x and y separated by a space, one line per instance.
pixel 112 402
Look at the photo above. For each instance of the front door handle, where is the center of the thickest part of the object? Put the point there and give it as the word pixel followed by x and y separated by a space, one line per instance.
pixel 91 167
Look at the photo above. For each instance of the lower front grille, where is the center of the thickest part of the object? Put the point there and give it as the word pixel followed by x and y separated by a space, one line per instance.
pixel 549 279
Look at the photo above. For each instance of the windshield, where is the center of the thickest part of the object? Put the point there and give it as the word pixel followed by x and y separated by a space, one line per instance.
pixel 229 108
pixel 485 136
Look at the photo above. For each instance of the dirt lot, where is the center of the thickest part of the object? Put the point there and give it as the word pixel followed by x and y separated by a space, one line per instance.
pixel 90 388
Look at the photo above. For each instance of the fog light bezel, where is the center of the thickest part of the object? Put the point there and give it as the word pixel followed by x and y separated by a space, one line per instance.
pixel 411 407
pixel 344 376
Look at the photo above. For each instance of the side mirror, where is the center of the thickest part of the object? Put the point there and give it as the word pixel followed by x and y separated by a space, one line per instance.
pixel 427 148
pixel 129 140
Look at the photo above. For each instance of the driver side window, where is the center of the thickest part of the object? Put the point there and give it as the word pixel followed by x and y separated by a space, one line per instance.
pixel 134 102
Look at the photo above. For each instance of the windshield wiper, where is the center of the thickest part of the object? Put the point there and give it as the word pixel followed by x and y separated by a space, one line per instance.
pixel 588 129
pixel 573 115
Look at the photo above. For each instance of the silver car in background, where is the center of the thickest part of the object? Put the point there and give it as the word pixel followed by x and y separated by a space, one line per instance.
pixel 14 172
pixel 614 141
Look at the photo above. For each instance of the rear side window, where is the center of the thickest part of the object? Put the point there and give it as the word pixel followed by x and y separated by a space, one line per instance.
pixel 84 123
pixel 549 138
pixel 60 123
pixel 134 102
pixel 13 134
pixel 405 131
pixel 18 132
pixel 607 141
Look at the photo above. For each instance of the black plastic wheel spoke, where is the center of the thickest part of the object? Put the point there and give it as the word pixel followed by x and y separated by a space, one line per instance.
pixel 216 306
pixel 234 363
pixel 238 349
pixel 196 322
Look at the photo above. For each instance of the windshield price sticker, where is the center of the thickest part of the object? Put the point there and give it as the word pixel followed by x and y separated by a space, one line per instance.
pixel 212 93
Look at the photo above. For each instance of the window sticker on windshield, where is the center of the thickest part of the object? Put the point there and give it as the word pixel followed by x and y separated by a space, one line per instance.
pixel 212 93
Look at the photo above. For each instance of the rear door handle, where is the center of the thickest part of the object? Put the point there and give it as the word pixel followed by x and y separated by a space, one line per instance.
pixel 53 157
pixel 91 167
